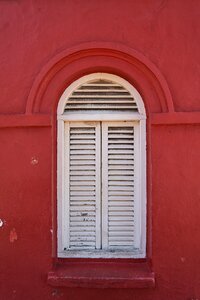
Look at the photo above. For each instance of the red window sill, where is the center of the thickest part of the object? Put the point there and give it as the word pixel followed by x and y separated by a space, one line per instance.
pixel 102 275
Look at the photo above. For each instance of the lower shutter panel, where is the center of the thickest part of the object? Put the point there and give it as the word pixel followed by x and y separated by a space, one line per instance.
pixel 119 186
pixel 83 187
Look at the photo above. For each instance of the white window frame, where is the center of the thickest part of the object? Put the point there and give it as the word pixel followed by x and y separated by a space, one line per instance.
pixel 62 206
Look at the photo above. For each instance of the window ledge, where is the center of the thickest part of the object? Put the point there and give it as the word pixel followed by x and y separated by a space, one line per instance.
pixel 102 275
pixel 126 253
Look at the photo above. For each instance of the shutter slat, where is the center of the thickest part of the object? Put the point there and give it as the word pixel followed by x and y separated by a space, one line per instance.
pixel 121 236
pixel 112 100
pixel 79 157
pixel 121 220
pixel 80 238
pixel 120 193
pixel 82 183
pixel 83 219
pixel 82 168
pixel 98 96
pixel 125 171
pixel 83 243
pixel 83 178
pixel 79 201
pixel 120 188
pixel 82 172
pixel 117 183
pixel 121 213
pixel 80 214
pixel 121 177
pixel 82 142
pixel 119 162
pixel 112 167
pixel 118 243
pixel 126 198
pixel 121 223
pixel 82 146
pixel 85 230
pixel 113 146
pixel 95 107
pixel 81 233
pixel 120 229
pixel 121 203
pixel 100 83
pixel 82 188
pixel 82 193
pixel 82 152
pixel 83 138
pixel 76 131
pixel 78 162
pixel 99 90
pixel 115 151
pixel 82 223
pixel 119 135
pixel 121 157
pixel 119 208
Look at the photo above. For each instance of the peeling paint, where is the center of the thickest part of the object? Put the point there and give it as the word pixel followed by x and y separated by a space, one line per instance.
pixel 56 293
pixel 13 235
pixel 1 223
pixel 34 160
pixel 183 259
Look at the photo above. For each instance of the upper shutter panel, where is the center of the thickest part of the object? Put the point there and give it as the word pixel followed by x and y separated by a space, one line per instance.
pixel 103 95
pixel 119 186
pixel 83 186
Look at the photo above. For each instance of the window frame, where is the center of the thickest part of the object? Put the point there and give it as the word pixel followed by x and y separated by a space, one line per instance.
pixel 140 119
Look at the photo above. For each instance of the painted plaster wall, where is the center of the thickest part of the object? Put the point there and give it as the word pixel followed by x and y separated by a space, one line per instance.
pixel 32 32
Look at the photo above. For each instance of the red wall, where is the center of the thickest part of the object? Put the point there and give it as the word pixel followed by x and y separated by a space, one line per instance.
pixel 33 33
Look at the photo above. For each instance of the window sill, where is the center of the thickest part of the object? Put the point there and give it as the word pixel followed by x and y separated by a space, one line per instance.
pixel 102 275
pixel 126 253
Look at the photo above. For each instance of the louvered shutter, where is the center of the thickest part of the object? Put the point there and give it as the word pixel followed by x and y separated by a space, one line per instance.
pixel 101 95
pixel 119 186
pixel 82 185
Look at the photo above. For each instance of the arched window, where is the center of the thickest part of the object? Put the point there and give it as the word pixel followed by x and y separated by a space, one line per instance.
pixel 101 169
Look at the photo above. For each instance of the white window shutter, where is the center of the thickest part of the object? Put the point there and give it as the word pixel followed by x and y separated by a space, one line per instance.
pixel 101 169
pixel 118 186
pixel 82 185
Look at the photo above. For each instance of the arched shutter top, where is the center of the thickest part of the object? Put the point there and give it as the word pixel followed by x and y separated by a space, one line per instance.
pixel 100 94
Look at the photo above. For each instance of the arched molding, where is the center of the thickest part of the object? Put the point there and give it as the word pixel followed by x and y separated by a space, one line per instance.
pixel 71 64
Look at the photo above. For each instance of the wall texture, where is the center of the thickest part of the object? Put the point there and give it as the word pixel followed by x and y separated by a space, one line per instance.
pixel 44 46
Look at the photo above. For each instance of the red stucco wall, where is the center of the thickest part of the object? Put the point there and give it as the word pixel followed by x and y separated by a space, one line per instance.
pixel 33 34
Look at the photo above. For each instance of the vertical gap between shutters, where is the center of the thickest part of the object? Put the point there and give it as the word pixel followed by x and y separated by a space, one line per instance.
pixel 101 175
pixel 98 186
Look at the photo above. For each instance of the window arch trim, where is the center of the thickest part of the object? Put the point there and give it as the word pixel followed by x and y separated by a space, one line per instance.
pixel 151 80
